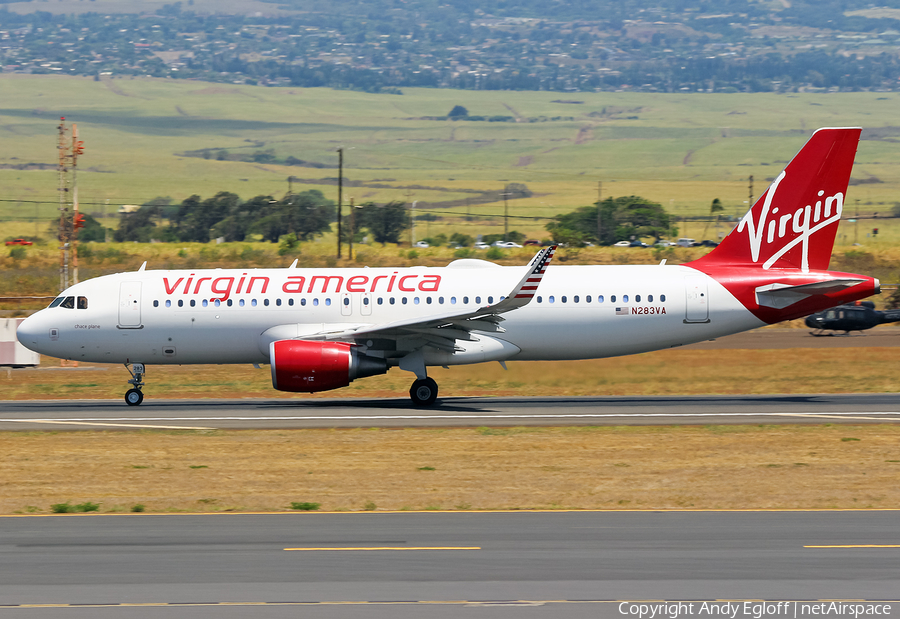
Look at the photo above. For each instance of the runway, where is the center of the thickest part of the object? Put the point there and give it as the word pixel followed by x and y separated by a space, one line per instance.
pixel 569 564
pixel 537 411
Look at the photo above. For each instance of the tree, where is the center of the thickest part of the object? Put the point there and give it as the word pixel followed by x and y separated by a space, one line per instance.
pixel 715 207
pixel 620 219
pixel 458 111
pixel 385 223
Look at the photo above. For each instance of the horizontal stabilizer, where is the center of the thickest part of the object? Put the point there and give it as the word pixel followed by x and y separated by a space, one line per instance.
pixel 779 296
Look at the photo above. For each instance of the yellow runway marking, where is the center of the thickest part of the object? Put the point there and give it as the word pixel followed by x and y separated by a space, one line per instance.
pixel 87 423
pixel 823 416
pixel 858 546
pixel 340 548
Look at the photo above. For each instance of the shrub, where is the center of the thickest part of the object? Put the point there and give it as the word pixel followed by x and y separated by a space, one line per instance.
pixel 17 253
pixel 87 507
pixel 494 253
pixel 137 508
pixel 62 508
pixel 306 507
pixel 412 254
pixel 370 506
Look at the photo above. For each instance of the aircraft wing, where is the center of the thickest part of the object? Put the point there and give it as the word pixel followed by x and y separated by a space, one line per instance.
pixel 442 330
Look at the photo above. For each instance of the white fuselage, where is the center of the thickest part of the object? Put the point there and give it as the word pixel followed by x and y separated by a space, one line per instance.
pixel 231 316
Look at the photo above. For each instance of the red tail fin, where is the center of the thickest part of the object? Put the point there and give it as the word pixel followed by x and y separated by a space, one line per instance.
pixel 793 224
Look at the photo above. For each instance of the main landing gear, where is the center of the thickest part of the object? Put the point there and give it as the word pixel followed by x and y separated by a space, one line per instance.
pixel 423 392
pixel 134 396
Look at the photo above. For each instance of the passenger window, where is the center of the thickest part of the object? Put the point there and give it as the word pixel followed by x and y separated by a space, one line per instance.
pixel 82 302
pixel 490 300
pixel 168 303
pixel 291 302
pixel 315 302
pixel 452 301
pixel 624 298
pixel 230 302
pixel 563 299
pixel 365 300
pixel 205 302
pixel 551 298
pixel 327 302
pixel 347 301
pixel 612 298
pixel 68 303
pixel 278 302
pixel 193 303
pixel 466 300
pixel 180 302
pixel 662 298
pixel 540 299
pixel 59 300
pixel 441 300
pixel 392 300
pixel 403 300
pixel 155 304
pixel 575 298
pixel 650 298
pixel 428 300
pixel 637 298
pixel 587 299
pixel 416 300
pixel 217 303
pixel 478 300
pixel 253 302
pixel 380 301
pixel 266 302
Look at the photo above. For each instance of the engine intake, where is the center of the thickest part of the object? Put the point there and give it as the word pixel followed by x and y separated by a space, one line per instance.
pixel 302 366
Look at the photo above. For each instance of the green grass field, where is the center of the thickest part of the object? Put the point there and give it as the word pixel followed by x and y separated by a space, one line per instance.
pixel 681 150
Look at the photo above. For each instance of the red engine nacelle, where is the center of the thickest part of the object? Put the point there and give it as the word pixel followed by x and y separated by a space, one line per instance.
pixel 302 366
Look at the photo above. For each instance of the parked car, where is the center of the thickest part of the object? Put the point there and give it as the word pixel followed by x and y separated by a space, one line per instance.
pixel 19 242
pixel 480 245
pixel 685 242
pixel 707 244
pixel 637 243
pixel 530 242
pixel 506 244
pixel 664 243
pixel 622 244
pixel 422 245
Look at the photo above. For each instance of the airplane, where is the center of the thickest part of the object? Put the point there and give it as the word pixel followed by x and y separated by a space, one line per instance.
pixel 320 329
pixel 857 316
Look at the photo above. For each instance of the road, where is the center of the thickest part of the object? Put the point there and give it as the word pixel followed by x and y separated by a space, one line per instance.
pixel 569 564
pixel 346 413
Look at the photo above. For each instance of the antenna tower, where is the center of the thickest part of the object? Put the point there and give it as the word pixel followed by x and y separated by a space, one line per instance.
pixel 69 218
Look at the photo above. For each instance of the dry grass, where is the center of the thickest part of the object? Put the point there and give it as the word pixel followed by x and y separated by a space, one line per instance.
pixel 666 372
pixel 715 467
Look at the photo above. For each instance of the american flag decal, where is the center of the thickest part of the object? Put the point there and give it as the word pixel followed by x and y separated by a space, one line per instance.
pixel 621 311
pixel 529 285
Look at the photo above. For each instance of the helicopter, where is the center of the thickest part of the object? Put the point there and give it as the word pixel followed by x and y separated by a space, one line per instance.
pixel 857 316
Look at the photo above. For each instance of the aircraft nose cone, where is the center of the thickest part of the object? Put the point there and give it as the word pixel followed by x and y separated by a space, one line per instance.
pixel 31 332
pixel 811 322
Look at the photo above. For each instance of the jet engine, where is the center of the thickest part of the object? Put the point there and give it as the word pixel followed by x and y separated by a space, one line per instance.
pixel 303 366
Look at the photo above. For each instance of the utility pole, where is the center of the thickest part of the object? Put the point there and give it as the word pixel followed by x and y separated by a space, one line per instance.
pixel 599 220
pixel 412 217
pixel 63 189
pixel 340 189
pixel 505 195
pixel 750 195
pixel 352 228
pixel 77 222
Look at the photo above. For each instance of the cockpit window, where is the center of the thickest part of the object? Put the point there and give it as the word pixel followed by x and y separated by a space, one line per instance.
pixel 56 301
pixel 82 302
pixel 68 303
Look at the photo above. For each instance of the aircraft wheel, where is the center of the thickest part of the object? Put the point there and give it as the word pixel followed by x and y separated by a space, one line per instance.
pixel 133 397
pixel 424 392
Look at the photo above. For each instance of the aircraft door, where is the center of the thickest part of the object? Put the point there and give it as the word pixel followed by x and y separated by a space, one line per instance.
pixel 696 299
pixel 130 305
pixel 346 304
pixel 366 308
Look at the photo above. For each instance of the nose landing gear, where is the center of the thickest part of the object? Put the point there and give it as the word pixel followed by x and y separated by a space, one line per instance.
pixel 134 396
